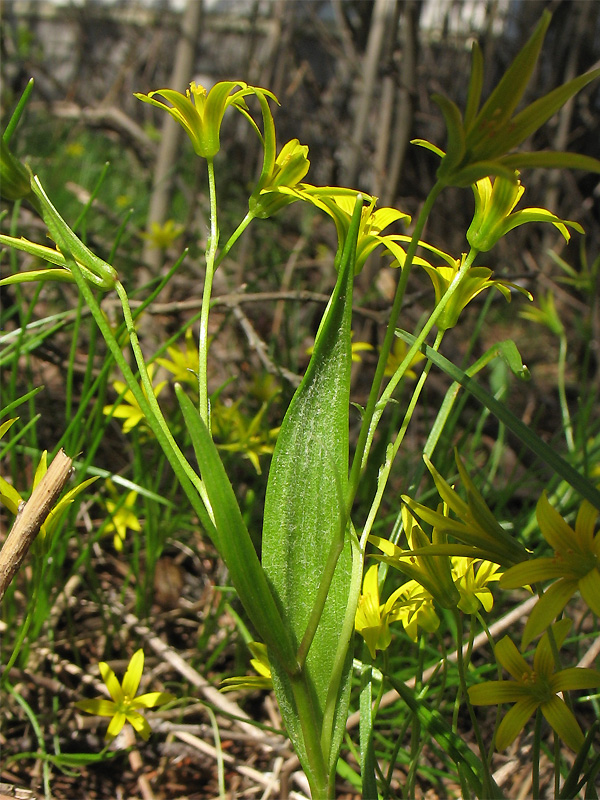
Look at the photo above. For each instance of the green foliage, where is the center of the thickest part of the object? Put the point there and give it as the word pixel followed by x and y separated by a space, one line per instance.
pixel 342 478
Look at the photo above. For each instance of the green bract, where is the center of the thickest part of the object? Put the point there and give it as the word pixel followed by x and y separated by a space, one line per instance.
pixel 480 142
pixel 476 526
pixel 14 177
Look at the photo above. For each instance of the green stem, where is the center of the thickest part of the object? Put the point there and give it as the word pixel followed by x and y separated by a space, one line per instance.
pixel 392 450
pixel 460 663
pixel 562 395
pixel 321 788
pixel 234 237
pixel 211 251
pixel 362 443
pixel 535 756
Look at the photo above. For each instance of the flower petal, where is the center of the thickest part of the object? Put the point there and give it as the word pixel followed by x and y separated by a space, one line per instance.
pixel 112 684
pixel 548 607
pixel 99 706
pixel 132 678
pixel 493 693
pixel 513 662
pixel 563 722
pixel 514 722
pixel 534 571
pixel 140 724
pixel 589 586
pixel 151 699
pixel 115 726
pixel 559 535
pixel 575 678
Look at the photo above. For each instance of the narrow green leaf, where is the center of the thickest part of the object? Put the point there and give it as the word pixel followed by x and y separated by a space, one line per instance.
pixel 550 159
pixel 475 85
pixel 537 113
pixel 455 146
pixel 231 537
pixel 499 106
pixel 305 518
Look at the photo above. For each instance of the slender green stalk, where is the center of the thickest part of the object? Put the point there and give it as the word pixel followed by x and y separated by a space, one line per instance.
pixel 360 454
pixel 562 394
pixel 234 237
pixel 460 663
pixel 211 251
pixel 535 756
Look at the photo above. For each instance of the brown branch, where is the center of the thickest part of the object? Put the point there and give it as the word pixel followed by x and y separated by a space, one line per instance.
pixel 31 516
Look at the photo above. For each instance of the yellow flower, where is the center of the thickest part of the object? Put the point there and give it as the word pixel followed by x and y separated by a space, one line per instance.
pixel 576 565
pixel 416 610
pixel 235 432
pixel 260 662
pixel 288 169
pixel 473 585
pixel 396 357
pixel 373 619
pixel 183 362
pixel 123 516
pixel 421 562
pixel 124 704
pixel 533 688
pixel 201 113
pixel 494 216
pixel 475 281
pixel 127 408
pixel 162 236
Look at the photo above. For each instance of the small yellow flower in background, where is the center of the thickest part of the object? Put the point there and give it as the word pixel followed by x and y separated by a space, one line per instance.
pixel 123 516
pixel 162 236
pixel 260 662
pixel 127 408
pixel 576 564
pixel 124 704
pixel 124 200
pixel 75 150
pixel 533 688
pixel 373 619
pixel 237 433
pixel 183 362
pixel 396 357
